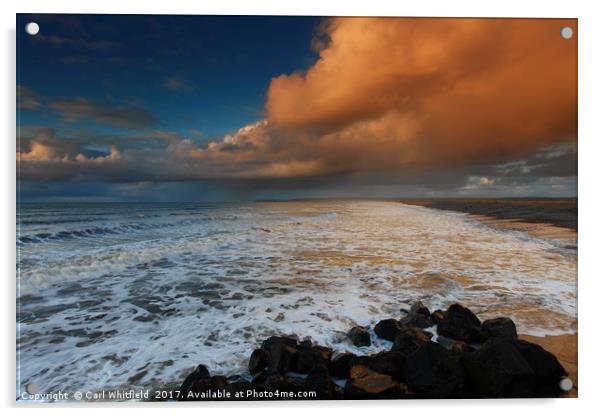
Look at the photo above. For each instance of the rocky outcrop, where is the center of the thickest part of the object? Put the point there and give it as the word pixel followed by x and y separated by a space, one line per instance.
pixel 499 328
pixel 466 360
pixel 461 324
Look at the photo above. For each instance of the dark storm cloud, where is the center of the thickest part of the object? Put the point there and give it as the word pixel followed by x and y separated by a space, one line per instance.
pixel 83 109
pixel 80 109
pixel 167 171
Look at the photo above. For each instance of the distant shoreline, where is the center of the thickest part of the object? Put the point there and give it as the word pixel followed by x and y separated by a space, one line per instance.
pixel 560 212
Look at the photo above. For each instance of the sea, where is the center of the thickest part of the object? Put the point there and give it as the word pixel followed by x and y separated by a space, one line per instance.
pixel 127 295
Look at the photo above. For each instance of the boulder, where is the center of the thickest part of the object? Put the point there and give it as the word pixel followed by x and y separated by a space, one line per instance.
pixel 219 382
pixel 417 320
pixel 312 355
pixel 364 384
pixel 261 377
pixel 283 354
pixel 286 340
pixel 387 329
pixel 546 367
pixel 386 362
pixel 258 361
pixel 437 316
pixel 499 327
pixel 454 345
pixel 410 340
pixel 341 364
pixel 499 370
pixel 434 372
pixel 359 336
pixel 419 308
pixel 201 373
pixel 461 324
pixel 318 380
pixel 235 378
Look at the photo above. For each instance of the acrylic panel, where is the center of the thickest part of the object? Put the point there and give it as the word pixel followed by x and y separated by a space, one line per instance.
pixel 295 208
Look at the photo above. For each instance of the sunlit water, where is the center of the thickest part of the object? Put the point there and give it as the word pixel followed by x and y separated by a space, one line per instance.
pixel 114 295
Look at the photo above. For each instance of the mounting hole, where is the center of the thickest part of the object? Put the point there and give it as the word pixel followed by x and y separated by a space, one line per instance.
pixel 32 28
pixel 566 384
pixel 32 388
pixel 566 32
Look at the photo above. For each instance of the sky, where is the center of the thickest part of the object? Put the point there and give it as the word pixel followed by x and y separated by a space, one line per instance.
pixel 240 108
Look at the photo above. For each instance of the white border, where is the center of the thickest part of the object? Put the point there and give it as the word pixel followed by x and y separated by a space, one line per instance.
pixel 590 152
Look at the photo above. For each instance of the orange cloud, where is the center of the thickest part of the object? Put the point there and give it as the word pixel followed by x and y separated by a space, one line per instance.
pixel 397 92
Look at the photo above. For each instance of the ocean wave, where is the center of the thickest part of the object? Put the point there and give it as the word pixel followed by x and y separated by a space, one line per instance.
pixel 80 233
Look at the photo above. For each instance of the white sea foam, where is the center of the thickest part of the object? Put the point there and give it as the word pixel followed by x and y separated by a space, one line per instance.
pixel 144 307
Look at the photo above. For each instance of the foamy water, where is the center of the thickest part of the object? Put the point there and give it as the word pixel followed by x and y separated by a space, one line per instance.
pixel 114 295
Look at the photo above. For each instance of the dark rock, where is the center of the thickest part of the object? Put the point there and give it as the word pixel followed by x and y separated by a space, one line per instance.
pixel 311 356
pixel 434 372
pixel 499 327
pixel 410 340
pixel 283 354
pixel 359 336
pixel 337 393
pixel 387 329
pixel 200 386
pixel 499 370
pixel 461 324
pixel 318 380
pixel 386 362
pixel 437 316
pixel 258 361
pixel 261 377
pixel 199 374
pixel 364 383
pixel 286 340
pixel 235 378
pixel 219 382
pixel 419 308
pixel 548 371
pixel 454 345
pixel 341 365
pixel 306 343
pixel 417 320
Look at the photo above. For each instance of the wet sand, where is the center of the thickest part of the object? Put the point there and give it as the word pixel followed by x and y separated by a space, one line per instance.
pixel 564 347
pixel 568 236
